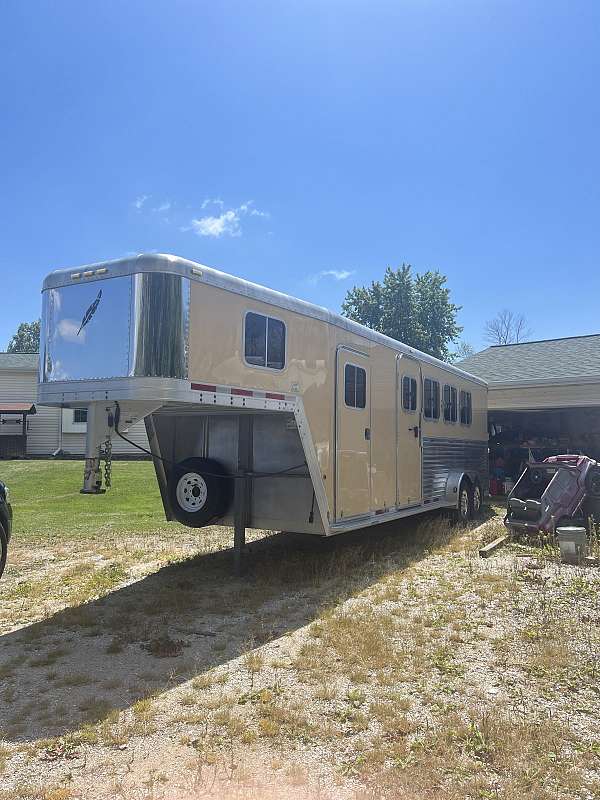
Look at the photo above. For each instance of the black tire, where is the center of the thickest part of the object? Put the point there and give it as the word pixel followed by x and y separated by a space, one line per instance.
pixel 592 482
pixel 465 502
pixel 476 504
pixel 3 549
pixel 200 491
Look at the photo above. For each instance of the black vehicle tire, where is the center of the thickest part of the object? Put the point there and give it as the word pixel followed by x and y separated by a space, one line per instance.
pixel 200 490
pixel 477 501
pixel 3 549
pixel 592 482
pixel 464 508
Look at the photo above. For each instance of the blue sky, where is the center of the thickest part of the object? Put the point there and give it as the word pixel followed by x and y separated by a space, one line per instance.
pixel 307 145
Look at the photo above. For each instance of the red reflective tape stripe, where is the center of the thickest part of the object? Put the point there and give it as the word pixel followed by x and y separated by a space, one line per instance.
pixel 273 396
pixel 204 387
pixel 242 392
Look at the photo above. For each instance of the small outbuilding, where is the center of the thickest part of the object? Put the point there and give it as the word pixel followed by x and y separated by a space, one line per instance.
pixel 28 429
pixel 544 399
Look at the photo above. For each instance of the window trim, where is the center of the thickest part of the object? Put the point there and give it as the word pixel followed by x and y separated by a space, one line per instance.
pixel 470 407
pixel 456 404
pixel 432 418
pixel 285 352
pixel 367 387
pixel 414 410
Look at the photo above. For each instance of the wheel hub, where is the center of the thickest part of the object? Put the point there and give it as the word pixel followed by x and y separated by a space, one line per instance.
pixel 191 492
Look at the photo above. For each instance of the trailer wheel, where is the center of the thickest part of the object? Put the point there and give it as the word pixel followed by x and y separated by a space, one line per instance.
pixel 3 549
pixel 200 490
pixel 592 482
pixel 465 502
pixel 477 501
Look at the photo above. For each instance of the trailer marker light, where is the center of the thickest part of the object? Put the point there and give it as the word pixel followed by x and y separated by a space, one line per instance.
pixel 197 272
pixel 88 273
pixel 242 392
pixel 101 271
pixel 273 396
pixel 75 276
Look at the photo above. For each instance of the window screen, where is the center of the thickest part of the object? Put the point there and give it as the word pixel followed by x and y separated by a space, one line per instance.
pixel 409 393
pixel 466 408
pixel 355 386
pixel 450 403
pixel 264 341
pixel 431 399
pixel 80 415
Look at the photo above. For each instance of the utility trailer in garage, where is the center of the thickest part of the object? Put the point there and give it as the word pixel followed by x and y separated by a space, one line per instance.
pixel 261 410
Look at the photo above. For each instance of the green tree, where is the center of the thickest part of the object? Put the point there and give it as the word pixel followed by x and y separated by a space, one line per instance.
pixel 26 339
pixel 415 309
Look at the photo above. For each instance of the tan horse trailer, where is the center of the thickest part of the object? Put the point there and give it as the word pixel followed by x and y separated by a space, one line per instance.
pixel 261 410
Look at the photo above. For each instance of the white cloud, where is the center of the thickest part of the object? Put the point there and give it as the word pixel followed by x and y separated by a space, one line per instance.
pixel 163 207
pixel 139 201
pixel 228 223
pixel 336 274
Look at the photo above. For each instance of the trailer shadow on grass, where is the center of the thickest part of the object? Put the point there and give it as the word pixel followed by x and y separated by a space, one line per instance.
pixel 84 662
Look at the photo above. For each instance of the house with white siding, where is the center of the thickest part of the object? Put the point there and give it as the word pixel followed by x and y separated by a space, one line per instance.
pixel 49 430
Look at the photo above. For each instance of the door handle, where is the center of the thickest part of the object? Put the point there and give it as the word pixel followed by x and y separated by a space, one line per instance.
pixel 415 430
pixel 368 434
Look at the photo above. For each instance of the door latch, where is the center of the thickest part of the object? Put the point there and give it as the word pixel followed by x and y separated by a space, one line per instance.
pixel 415 430
pixel 368 434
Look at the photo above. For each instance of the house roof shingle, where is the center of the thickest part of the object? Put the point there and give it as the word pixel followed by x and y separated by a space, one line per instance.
pixel 574 357
pixel 19 361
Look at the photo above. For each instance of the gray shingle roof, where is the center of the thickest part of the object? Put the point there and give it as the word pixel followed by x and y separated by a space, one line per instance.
pixel 19 361
pixel 574 357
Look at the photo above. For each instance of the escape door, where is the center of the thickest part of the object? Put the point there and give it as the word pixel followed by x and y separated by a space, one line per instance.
pixel 353 435
pixel 408 451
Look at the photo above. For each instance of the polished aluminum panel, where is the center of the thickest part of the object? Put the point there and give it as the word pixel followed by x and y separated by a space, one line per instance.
pixel 127 326
pixel 443 456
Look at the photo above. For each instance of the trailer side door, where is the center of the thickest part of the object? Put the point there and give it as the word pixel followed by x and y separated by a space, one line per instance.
pixel 353 434
pixel 408 452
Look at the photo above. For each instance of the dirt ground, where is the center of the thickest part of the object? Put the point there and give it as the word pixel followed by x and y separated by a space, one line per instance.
pixel 393 663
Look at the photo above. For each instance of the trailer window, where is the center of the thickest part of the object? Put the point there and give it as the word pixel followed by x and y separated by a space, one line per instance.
pixel 409 393
pixel 450 403
pixel 264 341
pixel 431 399
pixel 466 408
pixel 355 386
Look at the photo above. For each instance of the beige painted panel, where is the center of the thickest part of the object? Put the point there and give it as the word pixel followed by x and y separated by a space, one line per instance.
pixel 409 444
pixel 531 397
pixel 353 487
pixel 447 430
pixel 383 428
pixel 216 356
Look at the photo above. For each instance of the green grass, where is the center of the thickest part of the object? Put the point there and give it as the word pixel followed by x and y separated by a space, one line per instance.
pixel 46 501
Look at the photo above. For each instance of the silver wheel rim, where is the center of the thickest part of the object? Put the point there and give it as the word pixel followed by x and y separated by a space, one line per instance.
pixel 191 492
pixel 476 499
pixel 464 504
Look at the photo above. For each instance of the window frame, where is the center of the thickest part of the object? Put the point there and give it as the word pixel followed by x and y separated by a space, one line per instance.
pixel 285 349
pixel 451 388
pixel 434 418
pixel 414 410
pixel 356 367
pixel 465 392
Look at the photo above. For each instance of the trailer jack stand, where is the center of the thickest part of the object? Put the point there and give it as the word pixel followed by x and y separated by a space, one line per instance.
pixel 92 477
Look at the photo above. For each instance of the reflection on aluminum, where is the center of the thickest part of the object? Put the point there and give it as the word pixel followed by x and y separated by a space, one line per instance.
pixel 129 326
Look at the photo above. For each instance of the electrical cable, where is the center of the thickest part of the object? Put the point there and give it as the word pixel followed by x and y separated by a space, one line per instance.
pixel 114 422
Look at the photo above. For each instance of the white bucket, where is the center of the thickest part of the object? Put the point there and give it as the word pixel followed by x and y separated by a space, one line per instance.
pixel 572 541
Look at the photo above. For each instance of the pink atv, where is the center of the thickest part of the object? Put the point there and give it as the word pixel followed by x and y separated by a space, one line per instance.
pixel 561 490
